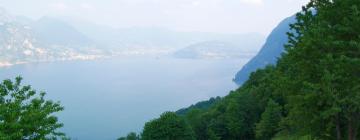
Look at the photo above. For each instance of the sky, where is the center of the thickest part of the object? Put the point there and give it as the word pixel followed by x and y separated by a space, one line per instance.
pixel 222 16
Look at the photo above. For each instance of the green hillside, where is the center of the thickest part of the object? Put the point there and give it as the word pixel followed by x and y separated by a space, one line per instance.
pixel 311 93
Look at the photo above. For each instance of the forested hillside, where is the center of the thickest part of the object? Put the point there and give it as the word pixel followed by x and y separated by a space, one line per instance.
pixel 313 91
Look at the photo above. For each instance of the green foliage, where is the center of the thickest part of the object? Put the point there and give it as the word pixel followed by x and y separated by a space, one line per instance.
pixel 195 118
pixel 312 93
pixel 291 137
pixel 241 114
pixel 234 116
pixel 168 127
pixel 212 135
pixel 130 136
pixel 200 105
pixel 322 65
pixel 25 114
pixel 270 119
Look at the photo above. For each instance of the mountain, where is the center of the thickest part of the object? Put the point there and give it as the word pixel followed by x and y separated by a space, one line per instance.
pixel 214 49
pixel 177 39
pixel 56 32
pixel 23 41
pixel 159 41
pixel 150 37
pixel 17 43
pixel 269 53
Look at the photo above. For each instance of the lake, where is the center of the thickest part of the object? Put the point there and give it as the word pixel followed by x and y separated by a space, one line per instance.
pixel 105 99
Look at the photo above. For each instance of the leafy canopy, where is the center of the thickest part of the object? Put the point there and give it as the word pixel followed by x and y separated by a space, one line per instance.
pixel 25 114
pixel 168 127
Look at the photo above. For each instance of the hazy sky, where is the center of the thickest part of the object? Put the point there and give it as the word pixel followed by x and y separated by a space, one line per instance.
pixel 228 16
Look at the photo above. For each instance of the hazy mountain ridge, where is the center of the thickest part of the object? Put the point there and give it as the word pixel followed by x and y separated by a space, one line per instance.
pixel 270 51
pixel 156 36
pixel 57 32
pixel 214 50
pixel 52 39
pixel 20 43
pixel 163 41
pixel 17 45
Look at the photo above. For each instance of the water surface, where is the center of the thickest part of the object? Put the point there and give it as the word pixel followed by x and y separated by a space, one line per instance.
pixel 105 99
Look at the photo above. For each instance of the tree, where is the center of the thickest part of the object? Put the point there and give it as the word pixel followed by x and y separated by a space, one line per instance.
pixel 322 65
pixel 25 114
pixel 197 121
pixel 203 105
pixel 122 138
pixel 242 112
pixel 212 135
pixel 269 123
pixel 130 136
pixel 168 127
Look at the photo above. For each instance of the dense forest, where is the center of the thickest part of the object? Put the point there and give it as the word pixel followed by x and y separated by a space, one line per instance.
pixel 312 92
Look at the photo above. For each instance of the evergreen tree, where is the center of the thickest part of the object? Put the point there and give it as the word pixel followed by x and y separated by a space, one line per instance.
pixel 168 127
pixel 198 123
pixel 269 123
pixel 130 136
pixel 241 115
pixel 322 65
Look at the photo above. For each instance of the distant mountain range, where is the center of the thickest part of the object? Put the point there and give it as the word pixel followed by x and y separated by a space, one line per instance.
pixel 269 53
pixel 56 32
pixel 24 40
pixel 214 50
pixel 169 42
pixel 158 37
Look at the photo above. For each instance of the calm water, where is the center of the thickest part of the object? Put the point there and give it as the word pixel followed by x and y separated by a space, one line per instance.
pixel 105 99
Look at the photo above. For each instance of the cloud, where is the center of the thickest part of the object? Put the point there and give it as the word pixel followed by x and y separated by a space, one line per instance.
pixel 253 2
